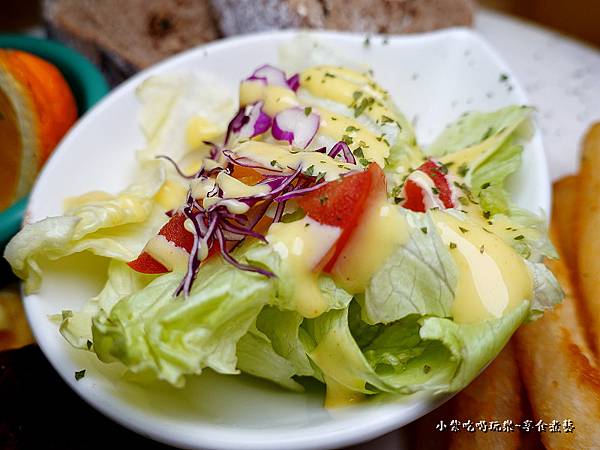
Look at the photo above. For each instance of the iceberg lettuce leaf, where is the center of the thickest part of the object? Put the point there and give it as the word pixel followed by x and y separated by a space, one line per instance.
pixel 547 292
pixel 169 102
pixel 288 284
pixel 536 243
pixel 488 179
pixel 438 354
pixel 122 281
pixel 283 330
pixel 475 128
pixel 256 356
pixel 472 346
pixel 115 226
pixel 482 149
pixel 418 278
pixel 154 332
pixel 99 210
pixel 333 349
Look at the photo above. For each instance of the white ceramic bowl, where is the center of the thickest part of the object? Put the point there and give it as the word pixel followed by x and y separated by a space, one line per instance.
pixel 433 77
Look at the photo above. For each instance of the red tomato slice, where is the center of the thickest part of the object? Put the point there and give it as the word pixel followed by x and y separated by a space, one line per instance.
pixel 434 171
pixel 342 203
pixel 175 232
pixel 147 264
pixel 414 194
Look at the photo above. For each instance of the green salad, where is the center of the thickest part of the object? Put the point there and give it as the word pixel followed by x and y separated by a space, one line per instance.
pixel 304 233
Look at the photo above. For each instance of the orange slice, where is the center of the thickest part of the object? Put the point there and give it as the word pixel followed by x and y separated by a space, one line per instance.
pixel 36 110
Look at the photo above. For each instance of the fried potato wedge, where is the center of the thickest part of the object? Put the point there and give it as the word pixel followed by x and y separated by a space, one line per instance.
pixel 494 395
pixel 571 312
pixel 587 232
pixel 564 212
pixel 559 379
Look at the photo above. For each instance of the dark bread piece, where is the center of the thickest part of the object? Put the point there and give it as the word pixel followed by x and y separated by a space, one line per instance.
pixel 123 36
pixel 247 16
pixel 367 16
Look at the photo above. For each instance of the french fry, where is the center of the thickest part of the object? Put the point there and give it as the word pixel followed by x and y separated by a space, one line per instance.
pixel 559 379
pixel 588 227
pixel 564 210
pixel 494 395
pixel 563 234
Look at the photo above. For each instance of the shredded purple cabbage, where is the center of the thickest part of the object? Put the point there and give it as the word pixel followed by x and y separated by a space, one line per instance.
pixel 299 192
pixel 346 152
pixel 236 124
pixel 272 75
pixel 216 225
pixel 248 122
pixel 269 74
pixel 298 126
pixel 294 82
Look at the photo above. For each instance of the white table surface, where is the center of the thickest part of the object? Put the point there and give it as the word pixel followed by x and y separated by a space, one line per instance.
pixel 561 77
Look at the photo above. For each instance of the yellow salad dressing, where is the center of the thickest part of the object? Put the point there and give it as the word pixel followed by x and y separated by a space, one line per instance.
pixel 301 245
pixel 492 277
pixel 338 395
pixel 200 129
pixel 280 157
pixel 275 98
pixel 356 134
pixel 168 254
pixel 381 230
pixel 350 88
pixel 171 195
pixel 233 188
pixel 345 86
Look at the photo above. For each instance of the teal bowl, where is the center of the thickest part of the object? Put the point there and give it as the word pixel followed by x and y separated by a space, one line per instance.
pixel 86 82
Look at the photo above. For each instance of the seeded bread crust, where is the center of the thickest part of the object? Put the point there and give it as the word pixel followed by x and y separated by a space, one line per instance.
pixel 368 16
